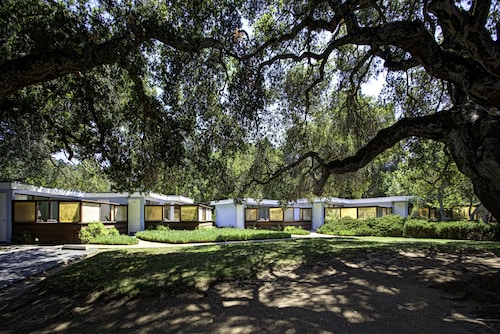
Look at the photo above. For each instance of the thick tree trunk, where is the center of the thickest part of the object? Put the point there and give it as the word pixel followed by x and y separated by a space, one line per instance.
pixel 474 143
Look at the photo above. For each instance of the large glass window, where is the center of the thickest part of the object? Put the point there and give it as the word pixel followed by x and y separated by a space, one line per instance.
pixel 91 212
pixel 305 214
pixel 275 214
pixel 203 214
pixel 289 215
pixel 349 212
pixel 423 212
pixel 121 213
pixel 69 212
pixel 189 213
pixel 251 214
pixel 332 213
pixel 24 212
pixel 263 213
pixel 364 213
pixel 153 213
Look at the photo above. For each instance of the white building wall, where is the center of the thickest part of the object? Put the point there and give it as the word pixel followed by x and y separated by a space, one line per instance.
pixel 225 215
pixel 400 208
pixel 318 215
pixel 135 214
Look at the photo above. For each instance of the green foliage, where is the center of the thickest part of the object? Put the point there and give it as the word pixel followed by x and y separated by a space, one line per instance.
pixel 419 228
pixel 428 172
pixel 386 226
pixel 461 230
pixel 118 239
pixel 98 233
pixel 396 226
pixel 346 226
pixel 209 235
pixel 298 230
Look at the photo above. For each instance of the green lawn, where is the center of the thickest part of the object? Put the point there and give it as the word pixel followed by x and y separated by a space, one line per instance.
pixel 152 272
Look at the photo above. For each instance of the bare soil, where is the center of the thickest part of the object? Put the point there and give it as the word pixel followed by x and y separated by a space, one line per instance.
pixel 376 292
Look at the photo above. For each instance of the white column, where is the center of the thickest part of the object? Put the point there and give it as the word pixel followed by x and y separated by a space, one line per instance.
pixel 171 216
pixel 318 215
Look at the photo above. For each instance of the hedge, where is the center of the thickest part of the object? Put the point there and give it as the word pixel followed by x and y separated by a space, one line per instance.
pixel 396 226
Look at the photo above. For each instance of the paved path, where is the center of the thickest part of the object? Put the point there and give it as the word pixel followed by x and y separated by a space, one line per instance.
pixel 19 263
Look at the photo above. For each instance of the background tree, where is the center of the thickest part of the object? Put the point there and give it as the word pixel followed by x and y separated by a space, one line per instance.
pixel 441 59
pixel 428 171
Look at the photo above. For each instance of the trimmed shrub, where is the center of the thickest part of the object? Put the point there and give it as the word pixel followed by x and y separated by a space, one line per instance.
pixel 97 233
pixel 209 235
pixel 296 230
pixel 466 230
pixel 419 228
pixel 345 226
pixel 459 230
pixel 387 226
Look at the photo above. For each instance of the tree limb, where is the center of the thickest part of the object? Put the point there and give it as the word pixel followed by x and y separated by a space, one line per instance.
pixel 469 30
pixel 34 68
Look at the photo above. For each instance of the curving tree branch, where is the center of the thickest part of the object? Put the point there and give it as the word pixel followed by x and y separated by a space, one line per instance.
pixel 18 73
pixel 436 126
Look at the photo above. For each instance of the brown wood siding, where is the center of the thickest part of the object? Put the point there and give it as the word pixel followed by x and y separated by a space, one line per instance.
pixel 49 233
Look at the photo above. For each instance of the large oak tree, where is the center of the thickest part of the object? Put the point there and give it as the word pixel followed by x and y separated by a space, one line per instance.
pixel 145 84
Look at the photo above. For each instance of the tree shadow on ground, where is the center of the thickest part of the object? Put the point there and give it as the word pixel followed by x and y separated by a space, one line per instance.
pixel 369 292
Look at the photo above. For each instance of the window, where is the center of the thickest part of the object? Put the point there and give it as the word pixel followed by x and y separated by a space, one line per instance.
pixel 177 212
pixel 364 213
pixel 153 213
pixel 24 212
pixel 69 212
pixel 305 214
pixel 349 212
pixel 275 214
pixel 423 212
pixel 121 214
pixel 263 213
pixel 332 213
pixel 289 215
pixel 189 213
pixel 250 214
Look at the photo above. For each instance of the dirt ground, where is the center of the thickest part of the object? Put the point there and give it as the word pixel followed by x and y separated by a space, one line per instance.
pixel 378 292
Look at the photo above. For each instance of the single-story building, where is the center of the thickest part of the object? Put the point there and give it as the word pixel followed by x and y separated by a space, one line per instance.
pixel 46 215
pixel 308 214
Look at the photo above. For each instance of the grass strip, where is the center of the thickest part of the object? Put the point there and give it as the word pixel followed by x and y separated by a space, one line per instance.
pixel 209 235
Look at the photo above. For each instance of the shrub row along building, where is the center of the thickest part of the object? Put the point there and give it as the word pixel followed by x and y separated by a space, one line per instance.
pixel 45 215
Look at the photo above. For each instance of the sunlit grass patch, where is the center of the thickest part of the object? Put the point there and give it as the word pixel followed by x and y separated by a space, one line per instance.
pixel 209 235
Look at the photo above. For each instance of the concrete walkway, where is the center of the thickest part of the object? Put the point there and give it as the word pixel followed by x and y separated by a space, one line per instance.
pixel 18 263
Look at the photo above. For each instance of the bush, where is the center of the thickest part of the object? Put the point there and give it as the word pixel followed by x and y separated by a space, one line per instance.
pixel 387 226
pixel 97 233
pixel 459 230
pixel 466 230
pixel 209 235
pixel 345 226
pixel 419 228
pixel 296 230
pixel 114 240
